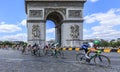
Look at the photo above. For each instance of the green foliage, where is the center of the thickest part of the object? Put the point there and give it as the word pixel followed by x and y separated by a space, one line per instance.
pixel 7 43
pixel 104 44
pixel 13 43
pixel 110 44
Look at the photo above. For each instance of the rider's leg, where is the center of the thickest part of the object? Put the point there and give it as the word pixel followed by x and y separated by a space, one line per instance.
pixel 87 53
pixel 87 56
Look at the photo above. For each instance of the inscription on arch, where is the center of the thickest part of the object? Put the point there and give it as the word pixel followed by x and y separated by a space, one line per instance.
pixel 75 13
pixel 35 13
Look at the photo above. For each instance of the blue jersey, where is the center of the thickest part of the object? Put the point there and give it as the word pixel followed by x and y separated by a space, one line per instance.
pixel 85 46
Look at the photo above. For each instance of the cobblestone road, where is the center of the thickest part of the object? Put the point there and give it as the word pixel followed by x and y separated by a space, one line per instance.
pixel 14 61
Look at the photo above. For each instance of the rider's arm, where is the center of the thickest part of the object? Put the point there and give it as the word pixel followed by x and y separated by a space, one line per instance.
pixel 95 46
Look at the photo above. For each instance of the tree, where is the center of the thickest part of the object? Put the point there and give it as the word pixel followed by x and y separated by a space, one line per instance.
pixel 104 43
pixel 118 44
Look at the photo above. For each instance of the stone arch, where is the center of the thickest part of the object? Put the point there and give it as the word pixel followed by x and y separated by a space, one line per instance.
pixel 59 12
pixel 57 18
pixel 67 15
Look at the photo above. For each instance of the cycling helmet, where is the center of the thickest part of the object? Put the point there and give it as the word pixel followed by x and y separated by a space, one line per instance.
pixel 96 42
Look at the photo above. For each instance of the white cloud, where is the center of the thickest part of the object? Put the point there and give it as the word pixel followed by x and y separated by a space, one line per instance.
pixel 107 22
pixel 2 23
pixel 11 32
pixel 112 17
pixel 8 28
pixel 88 36
pixel 84 30
pixel 51 30
pixel 48 38
pixel 90 19
pixel 93 0
pixel 50 34
pixel 17 37
pixel 23 22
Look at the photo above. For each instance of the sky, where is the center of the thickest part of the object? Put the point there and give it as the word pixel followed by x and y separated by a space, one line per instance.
pixel 101 20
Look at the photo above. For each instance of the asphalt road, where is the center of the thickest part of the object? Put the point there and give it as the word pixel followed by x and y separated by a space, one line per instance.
pixel 14 61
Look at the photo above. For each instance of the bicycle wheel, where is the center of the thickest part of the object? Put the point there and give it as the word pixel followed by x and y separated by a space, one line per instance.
pixel 80 57
pixel 38 53
pixel 32 52
pixel 46 51
pixel 59 54
pixel 102 60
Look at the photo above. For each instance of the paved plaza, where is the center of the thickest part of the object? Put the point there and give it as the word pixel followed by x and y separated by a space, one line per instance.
pixel 14 61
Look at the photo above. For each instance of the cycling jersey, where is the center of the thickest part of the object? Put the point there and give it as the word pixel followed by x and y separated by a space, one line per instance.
pixel 85 46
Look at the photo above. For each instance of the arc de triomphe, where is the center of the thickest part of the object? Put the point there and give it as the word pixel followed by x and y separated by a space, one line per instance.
pixel 66 14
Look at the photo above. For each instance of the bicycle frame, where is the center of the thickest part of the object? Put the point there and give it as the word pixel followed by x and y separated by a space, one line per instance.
pixel 96 54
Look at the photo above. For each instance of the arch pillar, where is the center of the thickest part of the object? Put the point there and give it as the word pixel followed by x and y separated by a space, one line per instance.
pixel 72 37
pixel 36 32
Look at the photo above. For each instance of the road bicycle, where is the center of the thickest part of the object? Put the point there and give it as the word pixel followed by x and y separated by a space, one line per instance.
pixel 99 59
pixel 36 51
pixel 55 52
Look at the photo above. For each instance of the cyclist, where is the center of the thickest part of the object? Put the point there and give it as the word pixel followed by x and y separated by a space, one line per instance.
pixel 88 49
pixel 85 46
pixel 24 49
pixel 34 48
pixel 29 47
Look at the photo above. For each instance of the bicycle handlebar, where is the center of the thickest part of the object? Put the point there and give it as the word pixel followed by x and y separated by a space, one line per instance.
pixel 99 52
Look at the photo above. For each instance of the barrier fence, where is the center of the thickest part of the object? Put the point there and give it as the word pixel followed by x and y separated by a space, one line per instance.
pixel 107 50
